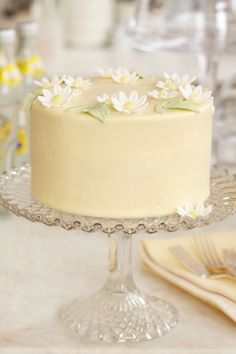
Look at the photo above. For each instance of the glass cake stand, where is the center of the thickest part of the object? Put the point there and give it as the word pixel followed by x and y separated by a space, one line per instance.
pixel 119 312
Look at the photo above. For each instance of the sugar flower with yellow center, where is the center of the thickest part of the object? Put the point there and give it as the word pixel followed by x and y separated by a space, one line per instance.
pixel 58 96
pixel 106 73
pixel 162 95
pixel 194 212
pixel 78 82
pixel 174 81
pixel 129 104
pixel 104 98
pixel 197 94
pixel 47 84
pixel 124 76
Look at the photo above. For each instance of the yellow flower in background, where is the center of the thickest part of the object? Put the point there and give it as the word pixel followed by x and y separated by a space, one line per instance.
pixel 10 75
pixel 5 131
pixel 22 142
pixel 2 156
pixel 31 66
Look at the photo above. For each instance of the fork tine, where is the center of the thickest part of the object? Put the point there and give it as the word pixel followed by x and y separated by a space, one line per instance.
pixel 181 252
pixel 189 262
pixel 186 264
pixel 201 250
pixel 215 252
pixel 209 249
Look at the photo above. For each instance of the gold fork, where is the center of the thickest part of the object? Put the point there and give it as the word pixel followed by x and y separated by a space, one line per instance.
pixel 210 257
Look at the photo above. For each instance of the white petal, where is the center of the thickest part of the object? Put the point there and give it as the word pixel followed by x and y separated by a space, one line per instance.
pixel 57 90
pixel 45 101
pixel 160 84
pixel 175 77
pixel 133 76
pixel 115 101
pixel 141 107
pixel 69 80
pixel 118 107
pixel 66 91
pixel 200 207
pixel 198 90
pixel 183 92
pixel 155 94
pixel 142 100
pixel 116 78
pixel 188 207
pixel 133 97
pixel 122 97
pixel 47 93
pixel 181 211
pixel 38 83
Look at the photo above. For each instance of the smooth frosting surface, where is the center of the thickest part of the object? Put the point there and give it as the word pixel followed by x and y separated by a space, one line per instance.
pixel 133 165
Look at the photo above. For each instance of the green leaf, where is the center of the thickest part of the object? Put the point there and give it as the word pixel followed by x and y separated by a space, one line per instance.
pixel 179 103
pixel 37 91
pixel 29 100
pixel 99 111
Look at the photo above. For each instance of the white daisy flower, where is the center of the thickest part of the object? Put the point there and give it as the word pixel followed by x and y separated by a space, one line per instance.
pixel 104 98
pixel 162 95
pixel 47 84
pixel 124 76
pixel 106 73
pixel 56 97
pixel 196 93
pixel 194 212
pixel 129 104
pixel 78 82
pixel 174 81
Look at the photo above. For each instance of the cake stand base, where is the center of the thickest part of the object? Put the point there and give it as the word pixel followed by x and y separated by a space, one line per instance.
pixel 120 316
pixel 119 312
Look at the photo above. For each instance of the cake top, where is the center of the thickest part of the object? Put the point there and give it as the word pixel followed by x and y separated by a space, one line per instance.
pixel 113 93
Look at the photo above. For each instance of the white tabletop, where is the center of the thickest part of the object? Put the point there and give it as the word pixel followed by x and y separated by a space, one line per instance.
pixel 42 268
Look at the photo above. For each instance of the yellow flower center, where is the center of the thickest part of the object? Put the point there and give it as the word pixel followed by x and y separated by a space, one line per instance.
pixel 124 79
pixel 193 214
pixel 57 99
pixel 170 86
pixel 76 84
pixel 129 106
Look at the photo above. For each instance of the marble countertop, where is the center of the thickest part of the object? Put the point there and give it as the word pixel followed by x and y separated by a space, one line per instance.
pixel 43 268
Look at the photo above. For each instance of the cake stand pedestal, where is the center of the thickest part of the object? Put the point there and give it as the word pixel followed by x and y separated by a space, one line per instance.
pixel 119 312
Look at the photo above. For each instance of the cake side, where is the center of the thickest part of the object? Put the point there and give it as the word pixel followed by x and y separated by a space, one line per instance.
pixel 141 164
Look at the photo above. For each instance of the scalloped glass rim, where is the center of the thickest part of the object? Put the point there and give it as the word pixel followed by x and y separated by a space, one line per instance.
pixel 15 196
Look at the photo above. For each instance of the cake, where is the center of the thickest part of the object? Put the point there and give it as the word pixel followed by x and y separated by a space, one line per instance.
pixel 120 145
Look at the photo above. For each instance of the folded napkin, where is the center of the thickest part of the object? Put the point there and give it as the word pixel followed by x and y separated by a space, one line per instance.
pixel 221 293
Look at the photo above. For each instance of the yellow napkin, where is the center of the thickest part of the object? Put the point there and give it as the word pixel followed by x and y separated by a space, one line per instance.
pixel 220 293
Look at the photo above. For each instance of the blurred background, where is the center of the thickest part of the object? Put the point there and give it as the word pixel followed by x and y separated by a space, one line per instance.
pixel 46 37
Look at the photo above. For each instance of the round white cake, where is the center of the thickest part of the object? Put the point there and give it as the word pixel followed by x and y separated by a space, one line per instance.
pixel 120 145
